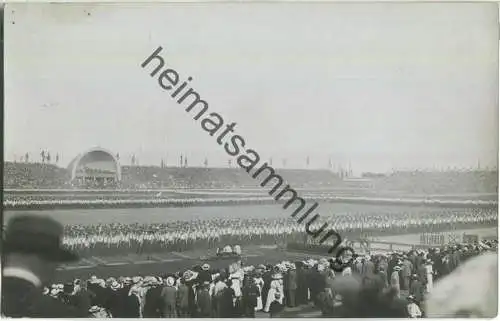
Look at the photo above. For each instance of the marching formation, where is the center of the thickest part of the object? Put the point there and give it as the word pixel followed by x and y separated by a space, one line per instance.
pixel 114 201
pixel 119 238
pixel 378 285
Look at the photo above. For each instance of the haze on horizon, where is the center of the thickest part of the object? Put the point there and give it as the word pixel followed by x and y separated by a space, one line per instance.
pixel 380 85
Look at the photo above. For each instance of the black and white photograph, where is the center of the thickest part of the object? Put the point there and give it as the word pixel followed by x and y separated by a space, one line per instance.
pixel 250 159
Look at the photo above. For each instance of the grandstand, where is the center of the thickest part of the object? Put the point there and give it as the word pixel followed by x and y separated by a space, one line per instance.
pixel 45 176
pixel 98 168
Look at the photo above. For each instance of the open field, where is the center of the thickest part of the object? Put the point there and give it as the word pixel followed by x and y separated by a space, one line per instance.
pixel 160 263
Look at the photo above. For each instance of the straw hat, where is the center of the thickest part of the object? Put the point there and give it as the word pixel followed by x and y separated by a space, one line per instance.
pixel 115 285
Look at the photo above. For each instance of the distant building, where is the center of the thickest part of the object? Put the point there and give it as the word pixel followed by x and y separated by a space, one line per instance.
pixel 96 166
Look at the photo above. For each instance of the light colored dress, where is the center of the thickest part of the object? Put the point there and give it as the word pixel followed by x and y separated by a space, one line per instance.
pixel 275 287
pixel 395 283
pixel 260 284
pixel 428 269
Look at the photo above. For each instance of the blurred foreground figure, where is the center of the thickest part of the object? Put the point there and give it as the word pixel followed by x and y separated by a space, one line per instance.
pixel 470 291
pixel 32 250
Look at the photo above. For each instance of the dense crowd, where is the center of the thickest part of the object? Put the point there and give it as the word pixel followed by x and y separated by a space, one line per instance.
pixel 43 175
pixel 377 285
pixel 102 239
pixel 436 182
pixel 34 175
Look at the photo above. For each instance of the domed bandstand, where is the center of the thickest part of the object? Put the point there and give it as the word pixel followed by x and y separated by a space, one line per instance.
pixel 96 167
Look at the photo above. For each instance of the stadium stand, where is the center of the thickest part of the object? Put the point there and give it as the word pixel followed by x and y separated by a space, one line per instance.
pixel 472 181
pixel 45 176
pixel 34 175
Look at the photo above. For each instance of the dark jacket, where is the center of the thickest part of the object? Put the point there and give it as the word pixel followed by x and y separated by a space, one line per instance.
pixel 292 280
pixel 152 303
pixel 250 294
pixel 417 290
pixel 204 303
pixel 183 296
pixel 20 299
pixel 169 298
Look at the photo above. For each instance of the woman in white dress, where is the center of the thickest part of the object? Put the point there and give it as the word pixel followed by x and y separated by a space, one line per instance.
pixel 275 287
pixel 260 284
pixel 430 272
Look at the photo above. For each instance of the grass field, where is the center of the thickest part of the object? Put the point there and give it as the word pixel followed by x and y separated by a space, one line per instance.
pixel 160 263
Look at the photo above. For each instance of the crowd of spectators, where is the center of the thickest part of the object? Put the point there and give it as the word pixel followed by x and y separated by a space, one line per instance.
pixel 43 176
pixel 34 175
pixel 439 182
pixel 384 285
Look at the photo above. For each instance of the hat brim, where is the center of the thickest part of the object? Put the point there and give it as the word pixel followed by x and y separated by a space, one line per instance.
pixel 56 255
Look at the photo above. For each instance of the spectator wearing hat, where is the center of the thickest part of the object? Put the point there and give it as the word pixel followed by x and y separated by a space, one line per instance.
pixel 291 282
pixel 429 273
pixel 32 251
pixel 203 302
pixel 134 303
pixel 82 296
pixel 259 282
pixel 250 294
pixel 226 304
pixel 276 287
pixel 406 272
pixel 115 300
pixel 217 290
pixel 182 299
pixel 368 266
pixel 276 306
pixel 169 299
pixel 413 308
pixel 417 289
pixel 204 275
pixel 152 298
pixel 395 281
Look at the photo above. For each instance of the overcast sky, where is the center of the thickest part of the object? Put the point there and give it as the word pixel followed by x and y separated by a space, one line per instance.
pixel 380 85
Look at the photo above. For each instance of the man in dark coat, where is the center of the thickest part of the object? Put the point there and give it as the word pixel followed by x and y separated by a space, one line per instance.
pixel 204 303
pixel 291 280
pixel 182 300
pixel 169 299
pixel 83 297
pixel 250 294
pixel 417 289
pixel 152 300
pixel 32 251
